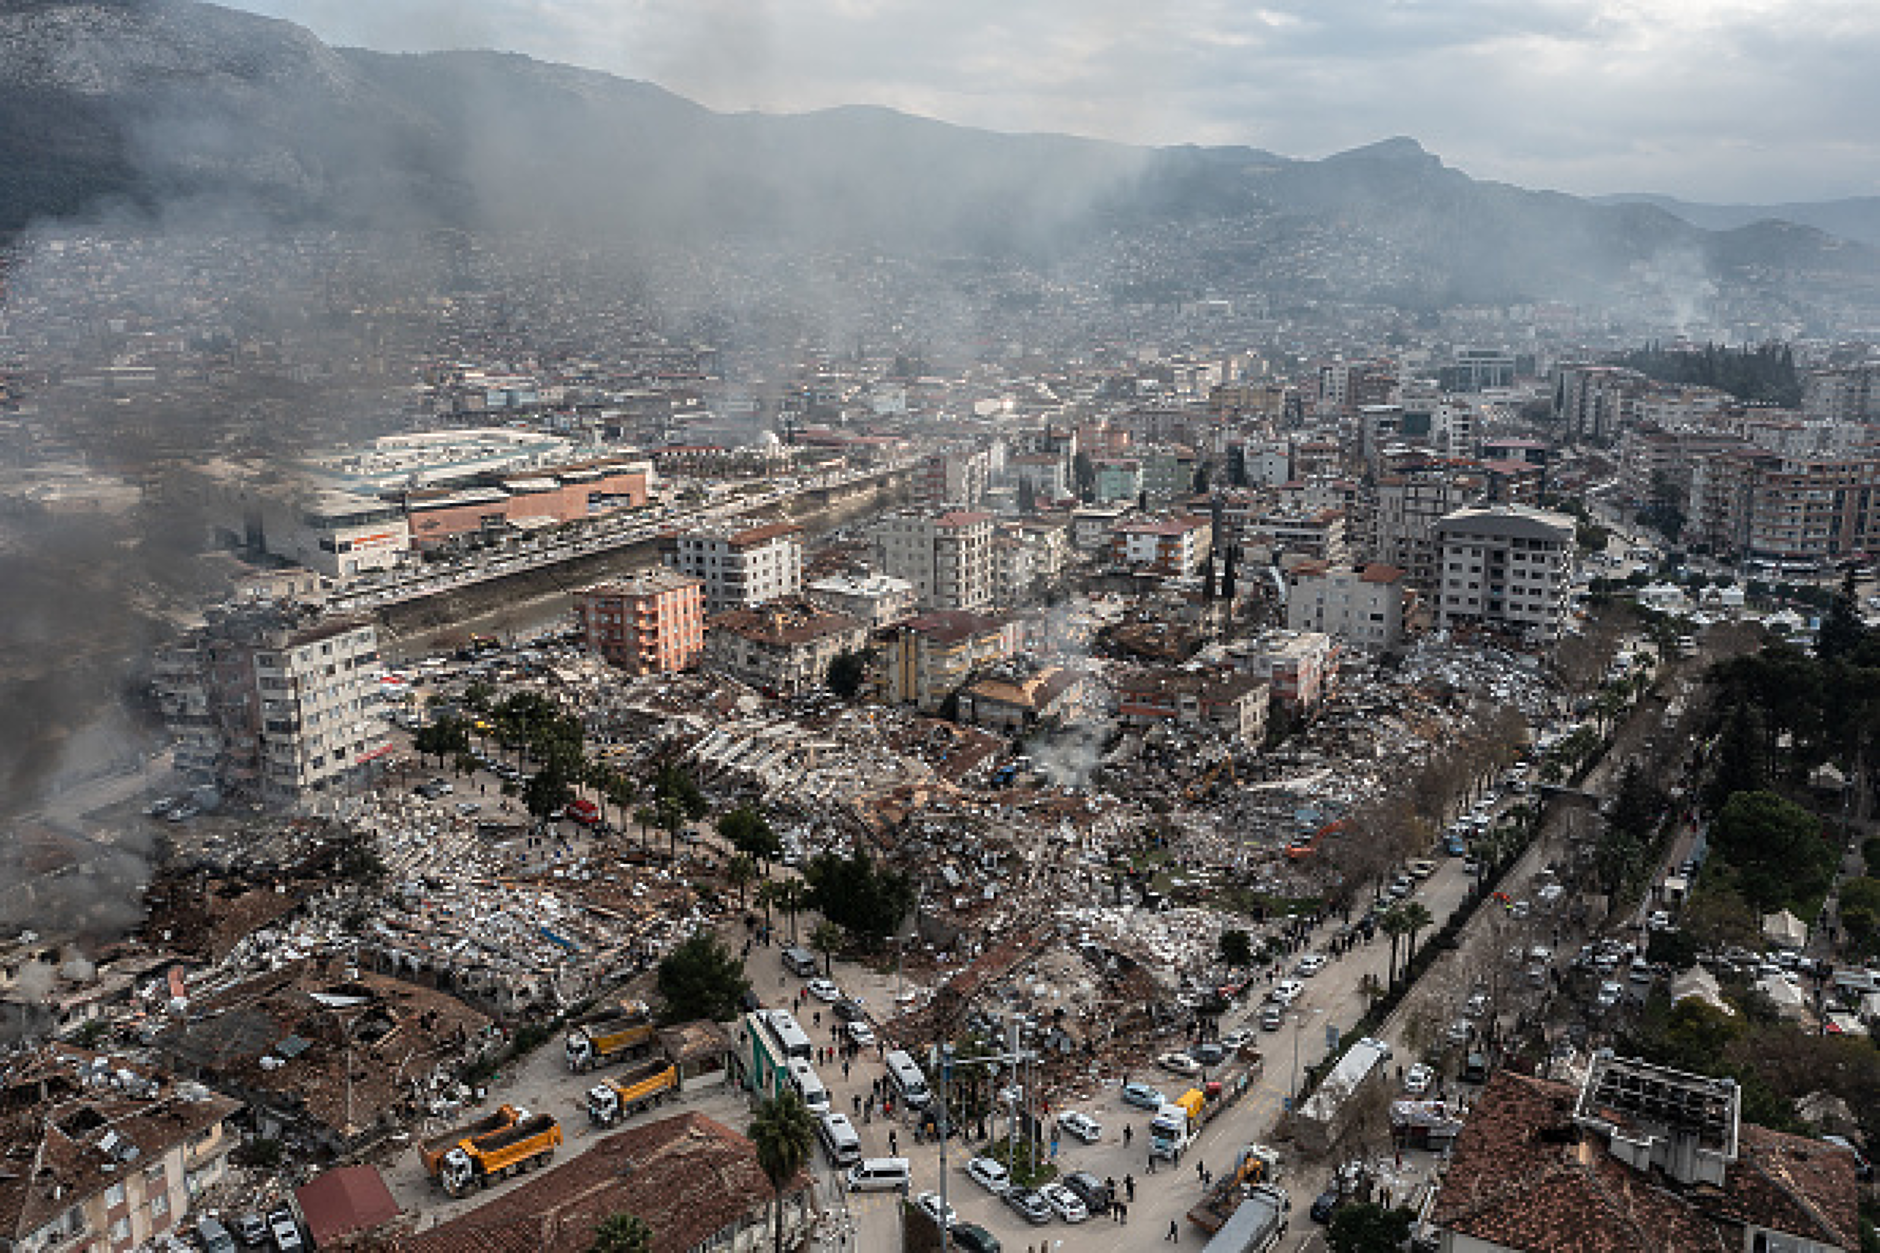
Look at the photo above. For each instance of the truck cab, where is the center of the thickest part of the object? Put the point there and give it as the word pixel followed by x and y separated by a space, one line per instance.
pixel 1170 1132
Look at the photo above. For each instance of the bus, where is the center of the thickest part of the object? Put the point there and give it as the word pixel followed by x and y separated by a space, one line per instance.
pixel 791 1040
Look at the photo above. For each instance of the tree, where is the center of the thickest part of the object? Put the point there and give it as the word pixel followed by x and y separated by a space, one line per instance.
pixel 676 800
pixel 847 670
pixel 1362 1227
pixel 741 870
pixel 1775 847
pixel 868 900
pixel 790 896
pixel 1236 948
pixel 1415 919
pixel 1396 924
pixel 622 1233
pixel 701 978
pixel 546 791
pixel 783 1136
pixel 826 939
pixel 1842 630
pixel 749 832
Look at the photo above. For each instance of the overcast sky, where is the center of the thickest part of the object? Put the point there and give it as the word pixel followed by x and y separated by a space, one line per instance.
pixel 1758 101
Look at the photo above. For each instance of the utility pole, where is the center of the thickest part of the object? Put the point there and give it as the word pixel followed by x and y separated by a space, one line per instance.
pixel 943 1060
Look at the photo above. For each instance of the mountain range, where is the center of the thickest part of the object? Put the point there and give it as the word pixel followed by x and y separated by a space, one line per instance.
pixel 185 112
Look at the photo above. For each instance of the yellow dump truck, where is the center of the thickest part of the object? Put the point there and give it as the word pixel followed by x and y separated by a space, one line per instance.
pixel 432 1150
pixel 531 1141
pixel 612 1098
pixel 624 1032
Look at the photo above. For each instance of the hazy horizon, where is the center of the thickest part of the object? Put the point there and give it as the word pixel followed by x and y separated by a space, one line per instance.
pixel 1729 102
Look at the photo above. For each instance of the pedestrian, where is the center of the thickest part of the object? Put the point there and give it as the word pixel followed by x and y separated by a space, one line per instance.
pixel 1127 1133
pixel 1174 1232
pixel 1201 1172
pixel 1129 1186
pixel 894 1146
pixel 1152 1163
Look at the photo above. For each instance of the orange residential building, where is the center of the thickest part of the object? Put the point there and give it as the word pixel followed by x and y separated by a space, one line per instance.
pixel 653 623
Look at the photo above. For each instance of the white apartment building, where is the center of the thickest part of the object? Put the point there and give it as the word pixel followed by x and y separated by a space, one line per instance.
pixel 1363 605
pixel 875 600
pixel 740 565
pixel 266 705
pixel 338 534
pixel 946 556
pixel 1507 567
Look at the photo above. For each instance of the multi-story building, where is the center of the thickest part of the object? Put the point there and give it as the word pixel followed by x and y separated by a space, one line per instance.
pixel 1047 473
pixel 874 600
pixel 930 657
pixel 1478 370
pixel 740 565
pixel 1409 505
pixel 1117 479
pixel 1506 567
pixel 338 534
pixel 1232 702
pixel 1173 546
pixel 1636 1157
pixel 1363 605
pixel 1299 667
pixel 1027 556
pixel 946 556
pixel 1844 395
pixel 1168 471
pixel 107 1155
pixel 955 478
pixel 1285 539
pixel 783 647
pixel 269 703
pixel 1596 402
pixel 1651 458
pixel 1015 697
pixel 1092 524
pixel 652 623
pixel 1804 513
pixel 487 506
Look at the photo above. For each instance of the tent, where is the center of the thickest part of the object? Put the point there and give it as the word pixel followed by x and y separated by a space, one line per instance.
pixel 343 1201
pixel 1784 930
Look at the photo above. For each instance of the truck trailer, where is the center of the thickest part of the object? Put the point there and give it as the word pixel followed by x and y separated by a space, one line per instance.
pixel 1256 1224
pixel 626 1032
pixel 432 1150
pixel 530 1142
pixel 612 1099
pixel 1255 1164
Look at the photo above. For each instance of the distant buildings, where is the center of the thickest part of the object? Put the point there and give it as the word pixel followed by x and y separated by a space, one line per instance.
pixel 740 566
pixel 653 623
pixel 1173 546
pixel 947 556
pixel 264 702
pixel 1507 567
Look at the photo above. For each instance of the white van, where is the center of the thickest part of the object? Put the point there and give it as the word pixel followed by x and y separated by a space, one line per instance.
pixel 910 1085
pixel 880 1174
pixel 809 1086
pixel 839 1139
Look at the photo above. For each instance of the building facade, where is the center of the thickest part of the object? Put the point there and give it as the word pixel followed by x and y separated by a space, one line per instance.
pixel 740 566
pixel 947 556
pixel 930 657
pixel 1363 605
pixel 783 647
pixel 268 703
pixel 1230 701
pixel 1507 567
pixel 653 623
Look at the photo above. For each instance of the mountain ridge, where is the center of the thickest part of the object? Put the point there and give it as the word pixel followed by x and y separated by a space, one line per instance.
pixel 167 102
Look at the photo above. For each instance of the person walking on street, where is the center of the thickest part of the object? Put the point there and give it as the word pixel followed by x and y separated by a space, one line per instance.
pixel 1127 1133
pixel 1174 1232
pixel 1129 1186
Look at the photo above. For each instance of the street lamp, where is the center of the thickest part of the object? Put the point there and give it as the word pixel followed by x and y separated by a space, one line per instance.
pixel 943 1060
pixel 1299 1024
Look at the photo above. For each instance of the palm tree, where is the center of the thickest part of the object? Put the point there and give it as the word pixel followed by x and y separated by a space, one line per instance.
pixel 767 896
pixel 1416 917
pixel 826 939
pixel 1396 925
pixel 790 895
pixel 783 1135
pixel 622 1233
pixel 741 870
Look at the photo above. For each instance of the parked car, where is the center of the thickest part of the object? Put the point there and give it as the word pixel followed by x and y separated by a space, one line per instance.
pixel 285 1230
pixel 1029 1204
pixel 988 1174
pixel 972 1238
pixel 1081 1125
pixel 1475 1006
pixel 249 1228
pixel 1286 991
pixel 1610 993
pixel 861 1035
pixel 1310 965
pixel 848 1011
pixel 823 990
pixel 1325 1205
pixel 1417 1079
pixel 1272 1016
pixel 929 1204
pixel 1236 1040
pixel 1142 1096
pixel 1064 1203
pixel 1208 1054
pixel 1179 1063
pixel 1092 1191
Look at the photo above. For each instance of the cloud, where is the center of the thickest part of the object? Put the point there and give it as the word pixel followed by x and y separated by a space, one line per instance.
pixel 1742 99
